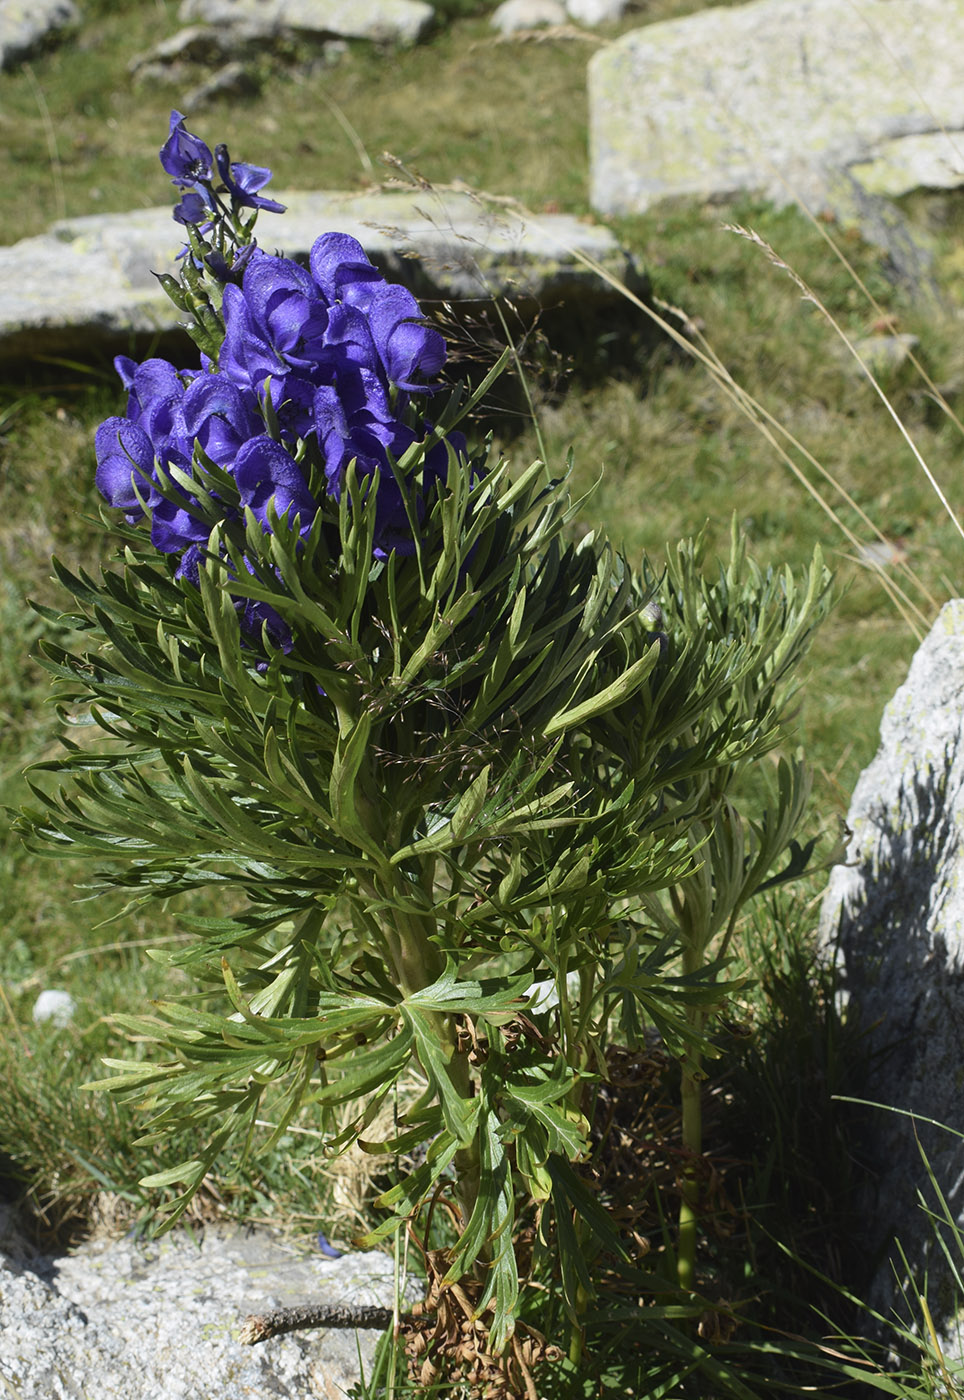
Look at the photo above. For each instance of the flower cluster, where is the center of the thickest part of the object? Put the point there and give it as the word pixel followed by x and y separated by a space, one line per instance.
pixel 318 368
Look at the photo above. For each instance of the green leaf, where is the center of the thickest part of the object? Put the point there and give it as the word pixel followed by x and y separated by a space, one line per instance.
pixel 566 1131
pixel 408 1196
pixel 361 1074
pixel 452 995
pixel 184 1172
pixel 460 1114
pixel 606 699
pixel 351 753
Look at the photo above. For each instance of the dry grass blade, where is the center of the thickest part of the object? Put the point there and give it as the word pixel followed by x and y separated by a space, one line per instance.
pixel 811 296
pixel 695 346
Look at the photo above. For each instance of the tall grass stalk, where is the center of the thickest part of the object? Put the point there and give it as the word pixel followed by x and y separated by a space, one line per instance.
pixel 811 296
pixel 53 149
pixel 678 327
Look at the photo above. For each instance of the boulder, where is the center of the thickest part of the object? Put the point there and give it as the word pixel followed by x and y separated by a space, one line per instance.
pixel 124 1320
pixel 88 283
pixel 26 24
pixel 201 53
pixel 204 45
pixel 384 21
pixel 232 80
pixel 594 12
pixel 766 98
pixel 515 16
pixel 893 916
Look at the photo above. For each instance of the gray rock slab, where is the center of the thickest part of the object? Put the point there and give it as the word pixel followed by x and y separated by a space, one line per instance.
pixel 88 281
pixel 383 21
pixel 27 24
pixel 517 16
pixel 764 97
pixel 593 12
pixel 232 79
pixel 894 915
pixel 120 1320
pixel 202 44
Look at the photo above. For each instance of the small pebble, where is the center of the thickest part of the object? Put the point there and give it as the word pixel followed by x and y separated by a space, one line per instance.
pixel 56 1006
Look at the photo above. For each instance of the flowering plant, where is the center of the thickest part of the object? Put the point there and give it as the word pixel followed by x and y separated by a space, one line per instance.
pixel 361 677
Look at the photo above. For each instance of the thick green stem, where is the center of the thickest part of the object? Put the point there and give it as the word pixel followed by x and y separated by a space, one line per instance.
pixel 692 1105
pixel 691 1100
pixel 417 963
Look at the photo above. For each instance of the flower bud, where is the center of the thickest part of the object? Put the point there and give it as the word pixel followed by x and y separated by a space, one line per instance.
pixel 652 617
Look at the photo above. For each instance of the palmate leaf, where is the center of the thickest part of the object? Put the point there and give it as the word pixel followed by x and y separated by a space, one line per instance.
pixel 406 1198
pixel 565 1131
pixel 356 1075
pixel 453 995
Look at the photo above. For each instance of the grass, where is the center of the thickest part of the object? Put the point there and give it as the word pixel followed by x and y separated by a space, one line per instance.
pixel 666 451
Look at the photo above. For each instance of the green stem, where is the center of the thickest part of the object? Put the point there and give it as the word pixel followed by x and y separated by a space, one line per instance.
pixel 691 1101
pixel 576 1334
pixel 692 1105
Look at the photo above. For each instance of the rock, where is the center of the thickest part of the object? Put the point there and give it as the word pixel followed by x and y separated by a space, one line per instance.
pixel 766 97
pixel 230 80
pixel 87 283
pixel 907 248
pixel 894 913
pixel 932 161
pixel 26 24
pixel 384 21
pixel 224 57
pixel 54 1005
pixel 594 12
pixel 884 354
pixel 515 15
pixel 124 1320
pixel 202 44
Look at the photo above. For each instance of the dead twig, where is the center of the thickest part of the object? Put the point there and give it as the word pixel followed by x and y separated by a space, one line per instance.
pixel 258 1327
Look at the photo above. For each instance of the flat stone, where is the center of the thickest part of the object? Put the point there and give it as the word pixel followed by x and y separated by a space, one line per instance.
pixel 26 24
pixel 894 917
pixel 514 16
pixel 88 282
pixel 206 44
pixel 884 354
pixel 932 162
pixel 232 79
pixel 767 96
pixel 593 12
pixel 122 1320
pixel 383 21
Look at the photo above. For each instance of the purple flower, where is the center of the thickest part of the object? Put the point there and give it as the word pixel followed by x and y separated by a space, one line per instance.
pixel 406 348
pixel 349 341
pixel 219 417
pixel 155 390
pixel 267 475
pixel 177 524
pixel 125 461
pixel 184 156
pixel 243 182
pixel 193 208
pixel 392 317
pixel 340 266
pixel 353 420
pixel 274 322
